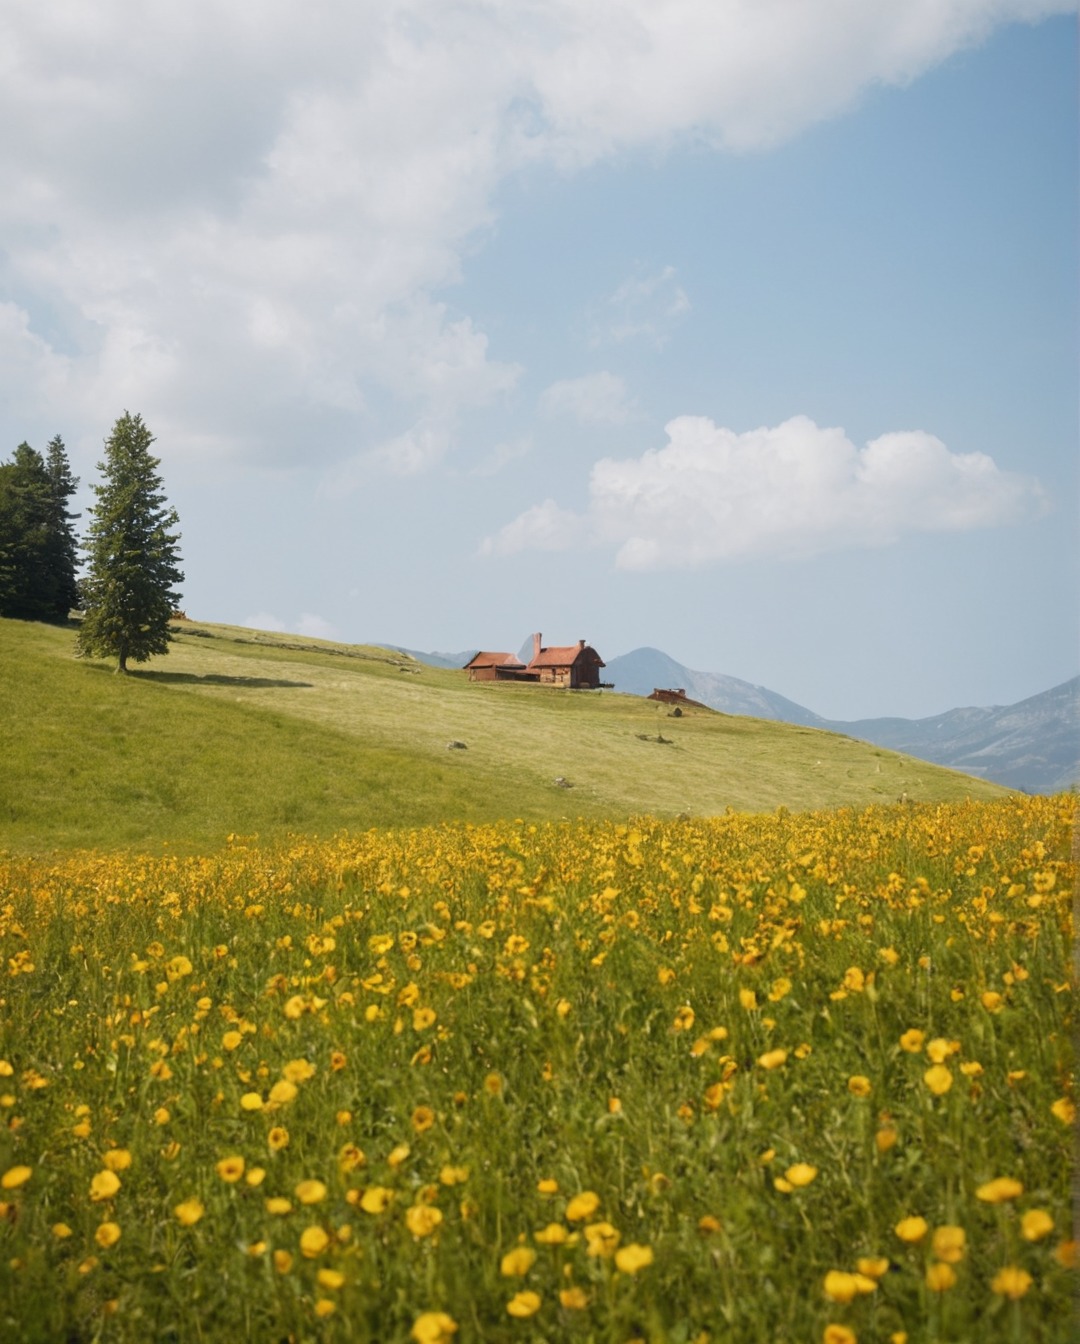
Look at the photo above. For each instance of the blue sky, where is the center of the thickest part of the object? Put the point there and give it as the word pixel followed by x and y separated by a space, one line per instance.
pixel 744 331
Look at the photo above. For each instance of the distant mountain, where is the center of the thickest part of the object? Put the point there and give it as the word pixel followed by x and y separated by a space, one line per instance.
pixel 455 660
pixel 644 670
pixel 1033 745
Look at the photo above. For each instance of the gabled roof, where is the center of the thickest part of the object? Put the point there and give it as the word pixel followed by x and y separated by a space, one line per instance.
pixel 564 655
pixel 495 660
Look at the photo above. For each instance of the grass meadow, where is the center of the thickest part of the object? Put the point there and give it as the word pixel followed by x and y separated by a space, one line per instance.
pixel 795 1076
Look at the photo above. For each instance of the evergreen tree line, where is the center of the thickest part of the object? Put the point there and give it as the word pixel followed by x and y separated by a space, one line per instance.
pixel 129 591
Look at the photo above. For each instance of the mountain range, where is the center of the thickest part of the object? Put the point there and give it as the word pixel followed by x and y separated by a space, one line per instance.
pixel 1033 745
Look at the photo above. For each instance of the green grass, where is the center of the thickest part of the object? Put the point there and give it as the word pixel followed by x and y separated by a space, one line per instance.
pixel 239 731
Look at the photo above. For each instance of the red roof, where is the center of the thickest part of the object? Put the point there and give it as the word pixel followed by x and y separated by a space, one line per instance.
pixel 495 660
pixel 563 655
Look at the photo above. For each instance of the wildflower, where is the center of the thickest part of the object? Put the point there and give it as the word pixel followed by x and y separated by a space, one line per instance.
pixel 563 1007
pixel 376 1199
pixel 283 1092
pixel 256 1248
pixel 772 1059
pixel 231 1040
pixel 433 1327
pixel 524 1304
pixel 117 1159
pixel 839 1334
pixel 665 975
pixel 230 1169
pixel 310 1192
pixel 999 1190
pixel 278 1206
pixel 992 1001
pixel 449 1175
pixel 104 1185
pixel 938 1079
pixel 748 999
pixel 912 1229
pixel 313 1241
pixel 518 1262
pixel 859 1085
pixel 547 1186
pixel 162 1116
pixel 422 1219
pixel 1036 1224
pixel 949 1243
pixel 601 1239
pixel 632 1257
pixel 423 1018
pixel 277 1139
pixel 493 1085
pixel 552 1235
pixel 189 1212
pixel 61 1231
pixel 582 1206
pixel 16 1176
pixel 337 1061
pixel 802 1173
pixel 573 1299
pixel 912 1040
pixel 840 1286
pixel 422 1119
pixel 1064 1110
pixel 108 1234
pixel 251 1101
pixel 1011 1282
pixel 324 1307
pixel 283 1261
pixel 940 1049
pixel 330 1278
pixel 684 1018
pixel 873 1266
pixel 940 1276
pixel 885 1138
pixel 397 1155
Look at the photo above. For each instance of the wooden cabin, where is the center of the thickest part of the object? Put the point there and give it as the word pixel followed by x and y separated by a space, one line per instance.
pixel 575 666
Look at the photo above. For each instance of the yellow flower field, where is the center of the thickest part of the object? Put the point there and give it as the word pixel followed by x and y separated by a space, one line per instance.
pixel 796 1076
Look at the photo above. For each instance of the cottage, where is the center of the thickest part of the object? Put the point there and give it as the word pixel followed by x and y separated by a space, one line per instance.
pixel 576 666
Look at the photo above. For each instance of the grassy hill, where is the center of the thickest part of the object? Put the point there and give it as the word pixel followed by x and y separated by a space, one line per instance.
pixel 241 731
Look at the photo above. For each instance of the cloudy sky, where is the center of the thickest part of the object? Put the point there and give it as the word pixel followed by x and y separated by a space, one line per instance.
pixel 741 328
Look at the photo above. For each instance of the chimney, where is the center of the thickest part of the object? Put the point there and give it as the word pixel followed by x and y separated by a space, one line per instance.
pixel 536 645
pixel 581 643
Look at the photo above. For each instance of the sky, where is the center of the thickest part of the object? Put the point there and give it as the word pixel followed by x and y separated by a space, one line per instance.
pixel 744 329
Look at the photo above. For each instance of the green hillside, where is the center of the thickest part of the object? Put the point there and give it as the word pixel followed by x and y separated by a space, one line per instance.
pixel 241 731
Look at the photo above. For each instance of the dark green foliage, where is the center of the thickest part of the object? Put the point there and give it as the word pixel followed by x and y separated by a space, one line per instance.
pixel 129 592
pixel 37 541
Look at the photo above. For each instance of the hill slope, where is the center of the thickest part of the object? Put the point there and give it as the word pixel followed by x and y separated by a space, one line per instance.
pixel 242 731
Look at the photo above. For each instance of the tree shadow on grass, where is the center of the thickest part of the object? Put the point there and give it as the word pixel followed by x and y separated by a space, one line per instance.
pixel 214 679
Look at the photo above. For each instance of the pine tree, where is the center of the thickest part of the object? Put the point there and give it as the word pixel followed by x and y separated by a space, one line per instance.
pixel 24 507
pixel 129 592
pixel 62 554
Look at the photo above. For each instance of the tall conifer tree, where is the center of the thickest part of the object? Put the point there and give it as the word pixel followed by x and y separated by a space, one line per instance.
pixel 129 592
pixel 62 553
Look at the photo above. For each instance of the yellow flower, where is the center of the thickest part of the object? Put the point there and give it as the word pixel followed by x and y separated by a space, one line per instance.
pixel 330 1278
pixel 601 1239
pixel 255 1176
pixel 283 1261
pixel 518 1262
pixel 162 1116
pixel 772 1059
pixel 376 1199
pixel 748 999
pixel 298 1070
pixel 433 1327
pixel 873 1266
pixel 940 1276
pixel 632 1257
pixel 324 1307
pixel 449 1175
pixel 278 1206
pixel 277 1139
pixel 313 1241
pixel 912 1229
pixel 840 1286
pixel 949 1243
pixel 1036 1224
pixel 552 1235
pixel 684 1018
pixel 108 1234
pixel 582 1206
pixel 232 1039
pixel 524 1304
pixel 912 1040
pixel 61 1231
pixel 422 1219
pixel 397 1155
pixel 547 1186
pixel 573 1299
pixel 283 1092
pixel 802 1173
pixel 422 1119
pixel 16 1176
pixel 251 1101
pixel 1011 1282
pixel 1064 1110
pixel 839 1334
pixel 310 1192
pixel 885 1138
pixel 230 1169
pixel 104 1185
pixel 999 1190
pixel 117 1159
pixel 938 1079
pixel 992 1001
pixel 940 1049
pixel 189 1212
pixel 859 1085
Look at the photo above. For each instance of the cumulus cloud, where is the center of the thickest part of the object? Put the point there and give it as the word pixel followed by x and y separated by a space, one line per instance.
pixel 595 399
pixel 308 623
pixel 795 490
pixel 239 218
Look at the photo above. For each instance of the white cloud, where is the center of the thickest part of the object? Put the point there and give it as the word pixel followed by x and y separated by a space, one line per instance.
pixel 264 620
pixel 711 495
pixel 643 306
pixel 501 456
pixel 309 624
pixel 595 399
pixel 238 217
